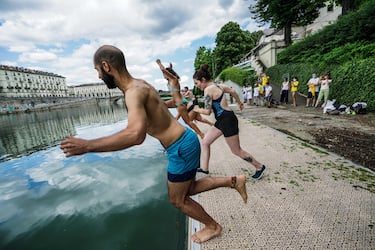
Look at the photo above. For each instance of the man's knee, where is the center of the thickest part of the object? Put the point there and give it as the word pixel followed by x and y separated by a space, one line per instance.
pixel 178 203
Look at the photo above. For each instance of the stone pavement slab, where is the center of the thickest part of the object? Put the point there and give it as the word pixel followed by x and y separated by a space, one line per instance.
pixel 308 199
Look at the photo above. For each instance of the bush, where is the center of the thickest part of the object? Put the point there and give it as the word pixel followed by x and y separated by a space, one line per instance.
pixel 355 27
pixel 351 82
pixel 239 76
pixel 354 82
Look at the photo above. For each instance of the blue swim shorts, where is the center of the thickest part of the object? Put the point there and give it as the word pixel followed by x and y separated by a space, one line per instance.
pixel 184 157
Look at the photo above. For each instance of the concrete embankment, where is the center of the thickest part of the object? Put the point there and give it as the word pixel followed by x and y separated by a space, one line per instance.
pixel 309 198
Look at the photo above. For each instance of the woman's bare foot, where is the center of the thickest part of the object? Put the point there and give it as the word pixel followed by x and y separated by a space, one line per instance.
pixel 240 186
pixel 206 234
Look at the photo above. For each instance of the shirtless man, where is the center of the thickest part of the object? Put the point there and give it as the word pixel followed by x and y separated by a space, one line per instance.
pixel 147 114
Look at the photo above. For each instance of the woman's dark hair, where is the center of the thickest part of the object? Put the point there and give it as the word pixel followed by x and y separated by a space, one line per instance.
pixel 170 70
pixel 202 73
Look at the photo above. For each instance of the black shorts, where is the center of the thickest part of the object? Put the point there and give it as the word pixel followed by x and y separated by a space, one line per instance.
pixel 195 102
pixel 309 95
pixel 227 123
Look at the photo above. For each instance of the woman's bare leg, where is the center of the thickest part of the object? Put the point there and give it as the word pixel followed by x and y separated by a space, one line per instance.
pixel 212 134
pixel 198 117
pixel 234 145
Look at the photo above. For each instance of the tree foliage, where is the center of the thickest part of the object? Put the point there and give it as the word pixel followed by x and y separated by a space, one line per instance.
pixel 356 28
pixel 239 76
pixel 345 49
pixel 232 43
pixel 202 56
pixel 283 14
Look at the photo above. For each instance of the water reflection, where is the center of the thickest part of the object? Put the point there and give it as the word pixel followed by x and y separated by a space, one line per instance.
pixel 111 200
pixel 25 133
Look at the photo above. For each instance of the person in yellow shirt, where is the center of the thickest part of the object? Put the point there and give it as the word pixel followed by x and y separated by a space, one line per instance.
pixel 265 79
pixel 294 90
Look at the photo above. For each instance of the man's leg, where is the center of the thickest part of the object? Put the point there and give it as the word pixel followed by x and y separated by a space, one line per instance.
pixel 178 196
pixel 179 193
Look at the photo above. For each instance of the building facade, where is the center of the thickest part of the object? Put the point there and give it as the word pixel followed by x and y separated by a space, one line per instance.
pixel 24 89
pixel 94 90
pixel 18 82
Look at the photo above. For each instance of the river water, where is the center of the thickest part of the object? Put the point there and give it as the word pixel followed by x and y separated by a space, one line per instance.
pixel 115 200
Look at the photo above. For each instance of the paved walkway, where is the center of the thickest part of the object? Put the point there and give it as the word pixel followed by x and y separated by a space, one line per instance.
pixel 308 199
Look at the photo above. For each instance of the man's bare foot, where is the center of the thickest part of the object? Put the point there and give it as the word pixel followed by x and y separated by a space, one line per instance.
pixel 206 234
pixel 240 186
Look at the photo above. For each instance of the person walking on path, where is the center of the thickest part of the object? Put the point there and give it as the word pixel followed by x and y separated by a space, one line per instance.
pixel 285 85
pixel 148 114
pixel 178 101
pixel 226 121
pixel 294 90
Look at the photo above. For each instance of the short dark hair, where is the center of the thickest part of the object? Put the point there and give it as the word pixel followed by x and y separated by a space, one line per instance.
pixel 114 56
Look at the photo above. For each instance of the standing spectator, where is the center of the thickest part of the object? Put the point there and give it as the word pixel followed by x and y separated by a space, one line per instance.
pixel 244 93
pixel 316 92
pixel 265 80
pixel 256 94
pixel 268 94
pixel 311 94
pixel 294 90
pixel 324 91
pixel 249 94
pixel 285 85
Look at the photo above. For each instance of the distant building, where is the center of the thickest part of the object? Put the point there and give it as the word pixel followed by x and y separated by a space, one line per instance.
pixel 23 89
pixel 21 82
pixel 264 55
pixel 94 90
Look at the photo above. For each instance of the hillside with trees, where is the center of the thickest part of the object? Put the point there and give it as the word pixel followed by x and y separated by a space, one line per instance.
pixel 344 50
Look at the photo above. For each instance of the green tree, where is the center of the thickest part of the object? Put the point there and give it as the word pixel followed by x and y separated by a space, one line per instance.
pixel 232 44
pixel 348 5
pixel 203 56
pixel 283 14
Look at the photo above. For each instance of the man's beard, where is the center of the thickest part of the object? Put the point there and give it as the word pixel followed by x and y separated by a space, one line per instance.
pixel 108 80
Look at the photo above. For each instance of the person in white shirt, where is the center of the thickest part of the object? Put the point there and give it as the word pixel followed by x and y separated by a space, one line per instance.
pixel 324 91
pixel 268 94
pixel 284 93
pixel 313 84
pixel 249 94
pixel 256 94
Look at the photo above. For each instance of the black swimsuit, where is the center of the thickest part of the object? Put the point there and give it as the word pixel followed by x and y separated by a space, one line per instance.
pixel 226 120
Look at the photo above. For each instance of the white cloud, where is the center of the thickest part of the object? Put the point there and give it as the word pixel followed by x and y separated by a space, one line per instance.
pixel 61 36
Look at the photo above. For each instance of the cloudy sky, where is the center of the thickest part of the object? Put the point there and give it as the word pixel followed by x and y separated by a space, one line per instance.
pixel 61 36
